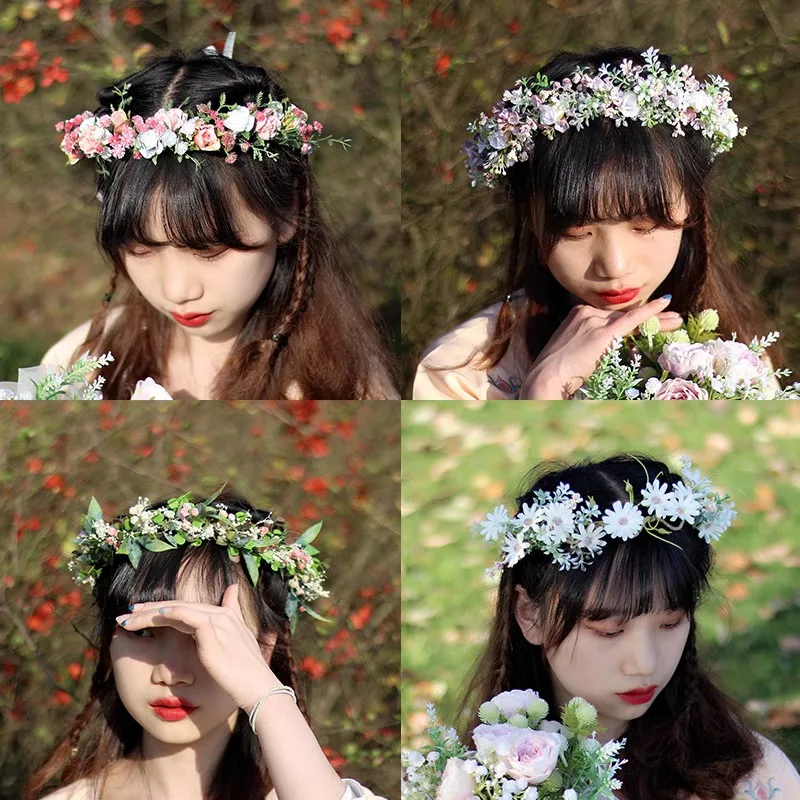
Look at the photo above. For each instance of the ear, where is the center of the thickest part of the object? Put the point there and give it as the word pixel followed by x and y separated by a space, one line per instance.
pixel 527 616
pixel 267 645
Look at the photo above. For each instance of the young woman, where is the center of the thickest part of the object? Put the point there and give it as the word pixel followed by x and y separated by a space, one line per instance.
pixel 611 223
pixel 194 695
pixel 226 281
pixel 600 602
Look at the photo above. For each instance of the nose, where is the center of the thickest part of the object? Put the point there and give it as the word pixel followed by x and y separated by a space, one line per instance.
pixel 640 658
pixel 174 664
pixel 611 253
pixel 180 281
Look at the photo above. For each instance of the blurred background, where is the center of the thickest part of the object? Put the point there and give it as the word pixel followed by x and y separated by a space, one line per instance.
pixel 338 59
pixel 460 55
pixel 748 625
pixel 337 462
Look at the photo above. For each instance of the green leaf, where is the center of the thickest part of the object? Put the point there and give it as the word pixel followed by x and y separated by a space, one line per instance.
pixel 312 613
pixel 157 546
pixel 221 488
pixel 252 566
pixel 94 512
pixel 180 538
pixel 134 553
pixel 309 535
pixel 311 550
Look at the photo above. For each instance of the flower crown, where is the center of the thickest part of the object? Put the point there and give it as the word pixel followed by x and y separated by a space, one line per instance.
pixel 573 529
pixel 257 128
pixel 649 94
pixel 182 522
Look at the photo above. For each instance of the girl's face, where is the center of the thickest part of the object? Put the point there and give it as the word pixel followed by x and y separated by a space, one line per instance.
pixel 165 688
pixel 616 265
pixel 602 660
pixel 206 294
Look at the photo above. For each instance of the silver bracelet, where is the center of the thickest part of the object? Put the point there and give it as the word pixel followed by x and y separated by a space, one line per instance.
pixel 251 717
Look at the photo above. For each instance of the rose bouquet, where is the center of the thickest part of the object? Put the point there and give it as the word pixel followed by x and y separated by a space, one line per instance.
pixel 691 363
pixel 519 755
pixel 75 383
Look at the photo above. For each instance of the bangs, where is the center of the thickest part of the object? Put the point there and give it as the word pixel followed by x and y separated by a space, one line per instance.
pixel 642 576
pixel 606 173
pixel 205 570
pixel 198 208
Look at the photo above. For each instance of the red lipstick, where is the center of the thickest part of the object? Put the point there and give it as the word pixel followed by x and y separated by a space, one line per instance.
pixel 618 296
pixel 172 709
pixel 637 697
pixel 191 320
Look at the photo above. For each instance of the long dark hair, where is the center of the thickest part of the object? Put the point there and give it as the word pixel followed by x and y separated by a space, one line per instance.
pixel 104 730
pixel 693 739
pixel 307 329
pixel 605 172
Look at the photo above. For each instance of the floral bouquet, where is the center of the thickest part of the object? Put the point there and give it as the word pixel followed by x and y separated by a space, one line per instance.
pixel 57 383
pixel 691 363
pixel 519 755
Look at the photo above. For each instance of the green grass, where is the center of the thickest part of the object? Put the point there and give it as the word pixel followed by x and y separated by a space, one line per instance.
pixel 459 460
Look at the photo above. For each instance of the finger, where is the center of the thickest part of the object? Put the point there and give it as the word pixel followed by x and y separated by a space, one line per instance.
pixel 669 323
pixel 136 607
pixel 632 319
pixel 230 599
pixel 182 618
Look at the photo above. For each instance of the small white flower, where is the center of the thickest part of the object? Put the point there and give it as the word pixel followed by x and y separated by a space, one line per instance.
pixel 495 522
pixel 515 548
pixel 149 144
pixel 652 386
pixel 559 519
pixel 654 498
pixel 699 101
pixel 623 521
pixel 629 105
pixel 188 128
pixel 529 517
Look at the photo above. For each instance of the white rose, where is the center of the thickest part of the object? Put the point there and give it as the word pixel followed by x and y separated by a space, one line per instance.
pixel 549 115
pixel 526 754
pixel 456 782
pixel 629 105
pixel 181 147
pixel 699 101
pixel 514 702
pixel 188 128
pixel 239 120
pixel 169 138
pixel 148 389
pixel 150 144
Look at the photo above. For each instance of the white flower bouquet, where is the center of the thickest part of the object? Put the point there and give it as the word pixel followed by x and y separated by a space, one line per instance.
pixel 691 363
pixel 519 755
pixel 56 383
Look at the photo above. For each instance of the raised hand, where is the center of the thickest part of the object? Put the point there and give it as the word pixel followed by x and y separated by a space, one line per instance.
pixel 575 349
pixel 226 646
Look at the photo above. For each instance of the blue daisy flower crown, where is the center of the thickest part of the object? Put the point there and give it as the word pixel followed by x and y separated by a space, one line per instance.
pixel 573 529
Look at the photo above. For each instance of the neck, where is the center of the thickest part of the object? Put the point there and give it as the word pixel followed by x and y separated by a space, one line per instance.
pixel 195 362
pixel 182 771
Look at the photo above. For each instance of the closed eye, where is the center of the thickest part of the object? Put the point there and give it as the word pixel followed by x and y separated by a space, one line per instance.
pixel 613 634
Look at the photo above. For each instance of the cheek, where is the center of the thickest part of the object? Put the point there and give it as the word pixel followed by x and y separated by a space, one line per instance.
pixel 246 279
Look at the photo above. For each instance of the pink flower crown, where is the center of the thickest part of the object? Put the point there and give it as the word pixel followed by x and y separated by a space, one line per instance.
pixel 256 128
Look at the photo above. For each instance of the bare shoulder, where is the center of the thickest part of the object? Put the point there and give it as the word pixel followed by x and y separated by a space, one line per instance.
pixel 60 354
pixel 774 777
pixel 80 790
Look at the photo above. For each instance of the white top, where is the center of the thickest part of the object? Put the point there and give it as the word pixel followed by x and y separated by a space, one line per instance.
pixel 451 368
pixel 82 790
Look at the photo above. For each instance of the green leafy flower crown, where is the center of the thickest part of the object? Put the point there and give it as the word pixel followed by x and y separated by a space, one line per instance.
pixel 182 522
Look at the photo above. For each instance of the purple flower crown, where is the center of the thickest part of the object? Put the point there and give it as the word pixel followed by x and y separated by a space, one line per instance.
pixel 257 128
pixel 648 94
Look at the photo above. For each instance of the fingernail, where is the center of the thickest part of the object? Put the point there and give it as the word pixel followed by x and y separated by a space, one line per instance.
pixel 122 619
pixel 130 607
pixel 162 610
pixel 666 297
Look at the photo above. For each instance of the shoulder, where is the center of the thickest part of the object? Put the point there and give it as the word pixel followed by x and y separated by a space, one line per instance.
pixel 774 777
pixel 80 790
pixel 451 367
pixel 60 354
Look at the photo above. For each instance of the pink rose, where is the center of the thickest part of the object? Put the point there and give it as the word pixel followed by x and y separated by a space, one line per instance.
pixel 456 782
pixel 205 138
pixel 682 360
pixel 120 121
pixel 268 124
pixel 527 754
pixel 680 389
